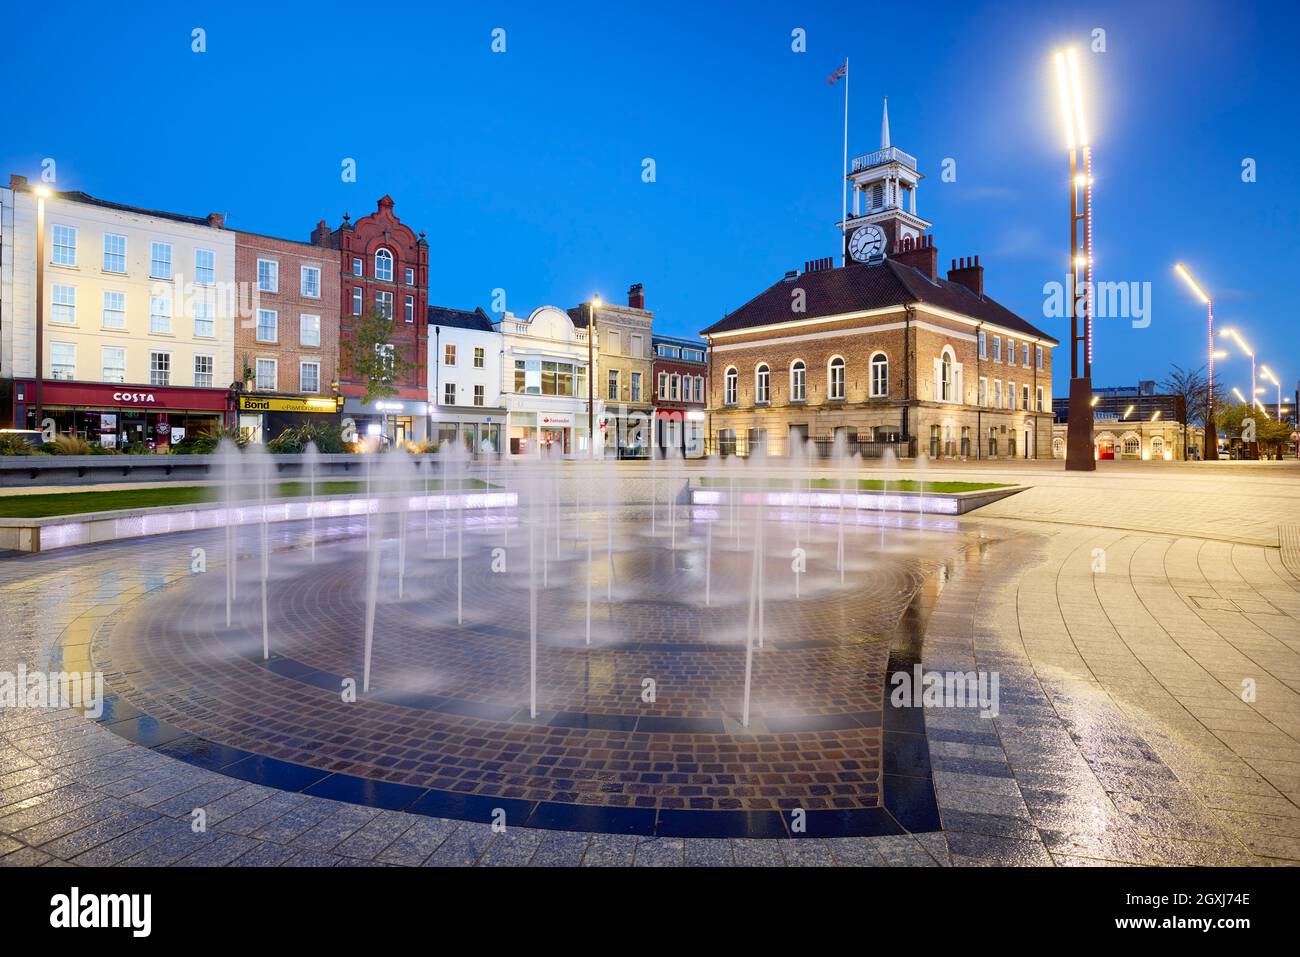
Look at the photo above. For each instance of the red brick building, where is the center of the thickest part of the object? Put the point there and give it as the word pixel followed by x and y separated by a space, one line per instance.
pixel 680 394
pixel 384 267
pixel 287 344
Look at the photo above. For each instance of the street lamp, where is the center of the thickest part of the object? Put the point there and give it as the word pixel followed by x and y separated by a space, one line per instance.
pixel 592 306
pixel 1211 431
pixel 41 193
pixel 1080 454
pixel 1235 336
pixel 1273 379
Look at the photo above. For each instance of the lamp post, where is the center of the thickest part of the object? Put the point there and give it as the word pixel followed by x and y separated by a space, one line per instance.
pixel 1254 387
pixel 41 193
pixel 1080 455
pixel 1274 379
pixel 1211 431
pixel 591 374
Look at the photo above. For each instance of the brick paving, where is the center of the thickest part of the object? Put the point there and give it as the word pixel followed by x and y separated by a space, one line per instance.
pixel 1125 733
pixel 826 656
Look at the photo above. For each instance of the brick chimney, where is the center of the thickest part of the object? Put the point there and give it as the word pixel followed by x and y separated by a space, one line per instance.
pixel 217 220
pixel 320 236
pixel 920 253
pixel 969 273
pixel 636 296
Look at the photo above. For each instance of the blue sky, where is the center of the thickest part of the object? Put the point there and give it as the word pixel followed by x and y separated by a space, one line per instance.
pixel 524 168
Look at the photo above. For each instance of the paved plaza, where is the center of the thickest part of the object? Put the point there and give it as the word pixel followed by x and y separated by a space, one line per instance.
pixel 1143 621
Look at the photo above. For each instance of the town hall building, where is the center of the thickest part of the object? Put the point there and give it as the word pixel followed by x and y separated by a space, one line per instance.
pixel 881 351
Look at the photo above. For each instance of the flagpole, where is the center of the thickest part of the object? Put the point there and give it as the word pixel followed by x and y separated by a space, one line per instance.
pixel 844 215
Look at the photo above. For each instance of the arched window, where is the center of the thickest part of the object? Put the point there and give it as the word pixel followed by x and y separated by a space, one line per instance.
pixel 1132 445
pixel 384 265
pixel 835 378
pixel 762 383
pixel 945 380
pixel 879 375
pixel 730 380
pixel 798 381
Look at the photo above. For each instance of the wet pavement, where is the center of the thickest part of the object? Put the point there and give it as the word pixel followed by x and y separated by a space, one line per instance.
pixel 1122 736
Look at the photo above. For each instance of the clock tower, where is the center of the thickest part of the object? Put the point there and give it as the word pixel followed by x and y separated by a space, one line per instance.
pixel 883 211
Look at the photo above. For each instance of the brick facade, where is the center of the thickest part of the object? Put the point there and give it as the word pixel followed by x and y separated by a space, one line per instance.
pixel 363 240
pixel 910 406
pixel 291 303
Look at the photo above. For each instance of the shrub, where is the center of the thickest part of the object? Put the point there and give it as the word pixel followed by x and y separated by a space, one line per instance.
pixel 205 443
pixel 67 445
pixel 16 445
pixel 294 440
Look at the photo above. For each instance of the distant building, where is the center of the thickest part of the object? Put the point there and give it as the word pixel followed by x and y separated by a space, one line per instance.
pixel 1132 422
pixel 465 402
pixel 680 368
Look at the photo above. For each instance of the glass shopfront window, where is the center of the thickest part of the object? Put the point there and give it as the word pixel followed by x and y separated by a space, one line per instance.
pixel 125 430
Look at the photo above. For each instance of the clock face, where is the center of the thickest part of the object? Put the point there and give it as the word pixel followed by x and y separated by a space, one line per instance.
pixel 866 243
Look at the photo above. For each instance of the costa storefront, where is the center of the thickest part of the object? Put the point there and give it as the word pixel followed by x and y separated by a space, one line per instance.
pixel 119 416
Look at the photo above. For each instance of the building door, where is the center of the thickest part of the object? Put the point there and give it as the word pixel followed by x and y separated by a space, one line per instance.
pixel 1106 449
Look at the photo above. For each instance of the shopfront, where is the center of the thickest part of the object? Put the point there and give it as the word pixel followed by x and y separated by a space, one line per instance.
pixel 532 433
pixel 395 421
pixel 680 431
pixel 479 431
pixel 122 417
pixel 264 417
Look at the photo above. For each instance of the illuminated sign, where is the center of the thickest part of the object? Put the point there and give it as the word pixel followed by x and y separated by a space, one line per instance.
pixel 267 403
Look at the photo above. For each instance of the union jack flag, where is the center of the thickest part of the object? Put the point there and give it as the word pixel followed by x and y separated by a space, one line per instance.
pixel 838 74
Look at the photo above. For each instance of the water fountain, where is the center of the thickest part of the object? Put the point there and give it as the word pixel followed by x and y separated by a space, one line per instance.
pixel 310 468
pixel 702 595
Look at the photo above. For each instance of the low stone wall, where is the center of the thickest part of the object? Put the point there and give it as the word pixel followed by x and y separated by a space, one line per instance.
pixel 33 470
pixel 92 528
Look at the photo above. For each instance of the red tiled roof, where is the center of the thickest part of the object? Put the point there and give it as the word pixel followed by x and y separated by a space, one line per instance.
pixel 833 292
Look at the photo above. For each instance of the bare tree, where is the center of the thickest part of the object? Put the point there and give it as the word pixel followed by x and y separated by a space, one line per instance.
pixel 1191 386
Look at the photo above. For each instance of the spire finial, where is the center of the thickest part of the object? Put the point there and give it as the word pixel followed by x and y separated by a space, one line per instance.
pixel 884 127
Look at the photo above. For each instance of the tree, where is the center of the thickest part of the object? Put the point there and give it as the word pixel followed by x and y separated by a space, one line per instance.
pixel 1268 431
pixel 1192 387
pixel 370 357
pixel 1272 432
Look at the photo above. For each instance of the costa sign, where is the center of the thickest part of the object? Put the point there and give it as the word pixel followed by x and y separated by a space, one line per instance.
pixel 91 395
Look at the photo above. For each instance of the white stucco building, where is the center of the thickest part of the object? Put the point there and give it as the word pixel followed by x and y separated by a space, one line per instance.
pixel 544 374
pixel 465 404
